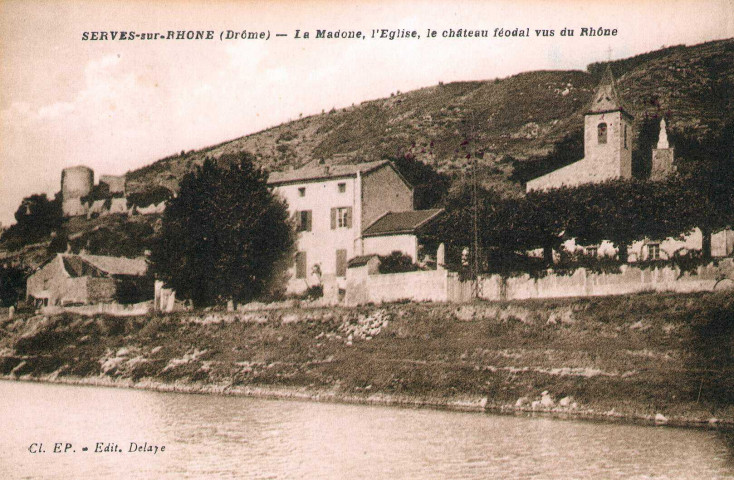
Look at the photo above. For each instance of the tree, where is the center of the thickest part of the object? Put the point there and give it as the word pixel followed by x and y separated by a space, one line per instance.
pixel 225 236
pixel 454 227
pixel 625 211
pixel 36 218
pixel 707 170
pixel 541 220
pixel 12 284
pixel 429 186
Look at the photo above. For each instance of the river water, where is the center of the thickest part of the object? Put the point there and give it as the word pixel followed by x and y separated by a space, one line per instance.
pixel 208 436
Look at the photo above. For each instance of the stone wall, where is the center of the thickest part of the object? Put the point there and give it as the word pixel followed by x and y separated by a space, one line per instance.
pixel 443 286
pixel 114 309
pixel 630 280
pixel 427 285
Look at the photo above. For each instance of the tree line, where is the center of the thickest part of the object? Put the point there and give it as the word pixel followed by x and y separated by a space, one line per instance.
pixel 699 195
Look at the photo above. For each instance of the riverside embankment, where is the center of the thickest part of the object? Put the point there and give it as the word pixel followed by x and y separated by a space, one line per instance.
pixel 654 358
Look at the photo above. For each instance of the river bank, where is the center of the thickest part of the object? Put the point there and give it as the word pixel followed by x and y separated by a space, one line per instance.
pixel 652 358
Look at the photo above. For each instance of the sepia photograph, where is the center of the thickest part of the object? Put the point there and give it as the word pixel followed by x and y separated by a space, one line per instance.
pixel 419 239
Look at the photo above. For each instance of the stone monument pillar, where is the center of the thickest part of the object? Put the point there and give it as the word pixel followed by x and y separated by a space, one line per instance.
pixel 662 156
pixel 441 257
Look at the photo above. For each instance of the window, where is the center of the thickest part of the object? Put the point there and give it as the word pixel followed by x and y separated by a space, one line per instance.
pixel 601 133
pixel 302 191
pixel 341 217
pixel 625 136
pixel 342 187
pixel 303 221
pixel 341 263
pixel 301 265
pixel 653 251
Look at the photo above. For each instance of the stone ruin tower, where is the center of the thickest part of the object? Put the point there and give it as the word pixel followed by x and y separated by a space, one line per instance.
pixel 76 182
pixel 115 184
pixel 662 156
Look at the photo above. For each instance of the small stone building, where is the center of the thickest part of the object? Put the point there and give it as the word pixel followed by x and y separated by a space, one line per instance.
pixel 398 231
pixel 69 279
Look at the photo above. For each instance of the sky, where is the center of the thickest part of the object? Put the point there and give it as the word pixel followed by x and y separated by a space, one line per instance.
pixel 119 105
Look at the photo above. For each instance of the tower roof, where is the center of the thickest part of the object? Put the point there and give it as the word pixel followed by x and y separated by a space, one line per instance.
pixel 606 98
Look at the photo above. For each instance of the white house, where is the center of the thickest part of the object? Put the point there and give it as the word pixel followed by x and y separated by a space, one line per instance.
pixel 333 206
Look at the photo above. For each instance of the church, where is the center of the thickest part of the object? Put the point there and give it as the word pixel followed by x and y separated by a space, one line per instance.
pixel 608 156
pixel 607 145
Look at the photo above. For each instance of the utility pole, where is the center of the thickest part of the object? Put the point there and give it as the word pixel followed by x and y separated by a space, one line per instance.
pixel 476 287
pixel 476 283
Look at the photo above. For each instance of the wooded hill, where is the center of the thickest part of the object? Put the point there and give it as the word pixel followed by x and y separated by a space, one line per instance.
pixel 515 122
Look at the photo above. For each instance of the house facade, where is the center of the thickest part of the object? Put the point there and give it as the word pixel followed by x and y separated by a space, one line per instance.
pixel 331 206
pixel 397 231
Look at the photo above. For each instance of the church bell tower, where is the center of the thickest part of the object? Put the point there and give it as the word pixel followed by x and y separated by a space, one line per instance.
pixel 608 133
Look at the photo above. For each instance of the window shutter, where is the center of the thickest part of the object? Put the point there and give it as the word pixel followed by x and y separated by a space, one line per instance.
pixel 301 265
pixel 341 263
pixel 308 220
pixel 349 217
pixel 333 218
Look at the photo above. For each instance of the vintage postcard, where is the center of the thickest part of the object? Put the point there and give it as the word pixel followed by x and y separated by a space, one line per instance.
pixel 411 239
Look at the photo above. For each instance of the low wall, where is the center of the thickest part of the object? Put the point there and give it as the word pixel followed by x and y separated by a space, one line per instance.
pixel 444 286
pixel 585 284
pixel 114 309
pixel 426 285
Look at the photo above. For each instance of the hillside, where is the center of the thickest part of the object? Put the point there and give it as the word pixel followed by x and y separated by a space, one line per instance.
pixel 516 121
pixel 522 117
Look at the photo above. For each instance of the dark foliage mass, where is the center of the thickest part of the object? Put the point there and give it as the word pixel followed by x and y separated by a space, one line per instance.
pixel 12 284
pixel 225 236
pixel 36 218
pixel 565 152
pixel 119 238
pixel 153 195
pixel 700 195
pixel 429 186
pixel 647 138
pixel 134 290
pixel 397 262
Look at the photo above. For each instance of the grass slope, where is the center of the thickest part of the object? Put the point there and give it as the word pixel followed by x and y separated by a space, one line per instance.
pixel 637 355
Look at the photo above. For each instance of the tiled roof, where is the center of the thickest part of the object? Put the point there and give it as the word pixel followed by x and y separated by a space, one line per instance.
pixel 606 98
pixel 75 266
pixel 400 222
pixel 118 265
pixel 319 172
pixel 360 261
